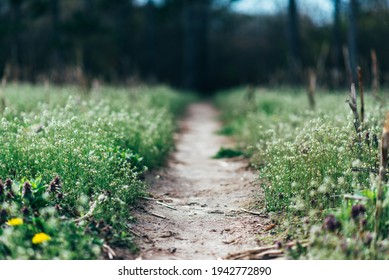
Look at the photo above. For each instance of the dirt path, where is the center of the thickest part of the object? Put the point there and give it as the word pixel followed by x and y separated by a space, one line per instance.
pixel 206 193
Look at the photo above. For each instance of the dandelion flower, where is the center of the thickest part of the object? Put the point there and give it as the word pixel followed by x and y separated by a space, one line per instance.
pixel 40 238
pixel 15 222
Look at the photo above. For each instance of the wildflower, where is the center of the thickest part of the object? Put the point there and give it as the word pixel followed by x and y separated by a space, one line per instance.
pixel 367 138
pixel 52 187
pixel 368 238
pixel 331 223
pixel 8 183
pixel 40 238
pixel 2 188
pixel 3 216
pixel 15 222
pixel 357 210
pixel 27 192
pixel 57 180
pixel 25 211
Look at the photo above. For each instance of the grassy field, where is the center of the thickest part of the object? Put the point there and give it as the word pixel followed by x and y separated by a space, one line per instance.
pixel 72 162
pixel 307 161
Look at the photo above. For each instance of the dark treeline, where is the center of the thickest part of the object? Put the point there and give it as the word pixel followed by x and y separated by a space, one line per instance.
pixel 194 44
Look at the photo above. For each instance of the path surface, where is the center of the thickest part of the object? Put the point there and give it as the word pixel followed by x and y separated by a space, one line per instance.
pixel 206 193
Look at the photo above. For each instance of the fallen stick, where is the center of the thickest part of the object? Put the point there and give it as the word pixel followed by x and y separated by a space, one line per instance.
pixel 157 215
pixel 354 197
pixel 111 253
pixel 254 213
pixel 158 202
pixel 267 252
pixel 88 214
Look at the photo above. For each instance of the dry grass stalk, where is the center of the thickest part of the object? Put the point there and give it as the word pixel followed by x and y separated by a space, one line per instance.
pixel 250 93
pixel 374 71
pixel 354 107
pixel 361 94
pixel 312 89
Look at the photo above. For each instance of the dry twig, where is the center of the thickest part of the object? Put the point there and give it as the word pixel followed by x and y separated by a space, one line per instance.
pixel 312 89
pixel 374 71
pixel 254 213
pixel 110 252
pixel 158 202
pixel 265 253
pixel 360 86
pixel 88 214
pixel 354 107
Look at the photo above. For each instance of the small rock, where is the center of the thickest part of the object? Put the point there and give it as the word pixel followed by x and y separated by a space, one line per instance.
pixel 172 250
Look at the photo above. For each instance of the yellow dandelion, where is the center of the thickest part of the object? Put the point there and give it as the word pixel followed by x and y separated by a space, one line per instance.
pixel 40 238
pixel 15 222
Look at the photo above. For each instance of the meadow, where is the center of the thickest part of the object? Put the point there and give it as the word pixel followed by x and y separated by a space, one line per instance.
pixel 72 163
pixel 318 173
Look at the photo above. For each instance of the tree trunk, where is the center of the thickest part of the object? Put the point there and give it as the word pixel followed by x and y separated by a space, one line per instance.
pixel 15 30
pixel 294 42
pixel 352 40
pixel 56 59
pixel 196 45
pixel 336 47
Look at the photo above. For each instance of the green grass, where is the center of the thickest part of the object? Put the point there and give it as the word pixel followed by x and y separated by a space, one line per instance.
pixel 227 153
pixel 308 160
pixel 99 143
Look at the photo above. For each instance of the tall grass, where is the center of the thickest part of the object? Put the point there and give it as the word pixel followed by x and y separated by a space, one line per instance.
pixel 99 144
pixel 307 160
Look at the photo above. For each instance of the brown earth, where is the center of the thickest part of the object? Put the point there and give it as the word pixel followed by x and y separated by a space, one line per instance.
pixel 201 217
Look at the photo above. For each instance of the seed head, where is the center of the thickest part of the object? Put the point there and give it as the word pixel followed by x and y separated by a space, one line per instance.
pixel 27 192
pixel 2 188
pixel 368 238
pixel 57 180
pixel 279 244
pixel 52 188
pixel 357 211
pixel 8 183
pixel 25 211
pixel 107 230
pixel 3 216
pixel 331 223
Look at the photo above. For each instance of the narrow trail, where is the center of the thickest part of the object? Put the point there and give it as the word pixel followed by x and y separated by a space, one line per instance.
pixel 207 193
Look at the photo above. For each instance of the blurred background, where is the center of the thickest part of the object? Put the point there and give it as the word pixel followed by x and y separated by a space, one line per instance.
pixel 200 45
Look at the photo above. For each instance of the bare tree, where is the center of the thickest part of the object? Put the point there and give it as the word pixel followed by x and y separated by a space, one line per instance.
pixel 196 44
pixel 15 30
pixel 336 46
pixel 352 39
pixel 294 41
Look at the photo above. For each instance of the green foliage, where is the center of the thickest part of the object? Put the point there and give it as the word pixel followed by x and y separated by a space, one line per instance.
pixel 227 153
pixel 307 160
pixel 355 238
pixel 30 209
pixel 99 143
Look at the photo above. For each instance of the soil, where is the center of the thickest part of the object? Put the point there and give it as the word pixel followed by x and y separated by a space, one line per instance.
pixel 201 216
